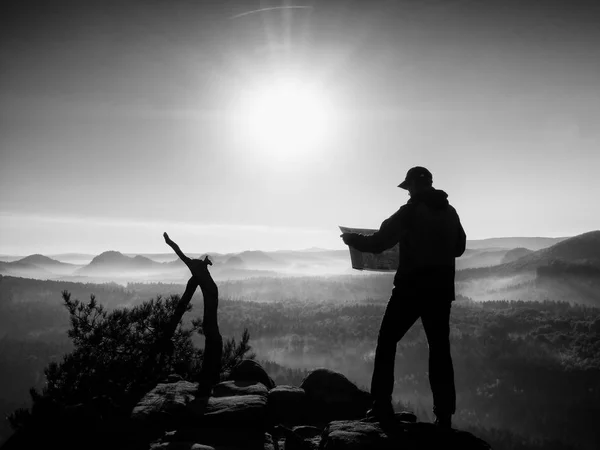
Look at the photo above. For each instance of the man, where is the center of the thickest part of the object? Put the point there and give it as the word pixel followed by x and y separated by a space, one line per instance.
pixel 430 237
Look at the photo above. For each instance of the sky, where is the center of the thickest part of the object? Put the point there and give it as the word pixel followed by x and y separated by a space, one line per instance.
pixel 120 120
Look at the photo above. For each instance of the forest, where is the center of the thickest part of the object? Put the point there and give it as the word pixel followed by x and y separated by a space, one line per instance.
pixel 522 368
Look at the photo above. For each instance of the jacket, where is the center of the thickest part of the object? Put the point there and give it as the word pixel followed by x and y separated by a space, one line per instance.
pixel 430 237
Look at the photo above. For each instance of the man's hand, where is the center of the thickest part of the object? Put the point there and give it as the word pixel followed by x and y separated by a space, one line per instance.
pixel 167 238
pixel 348 238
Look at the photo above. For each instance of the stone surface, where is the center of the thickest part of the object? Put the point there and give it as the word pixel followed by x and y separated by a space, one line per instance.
pixel 250 370
pixel 331 396
pixel 237 388
pixel 355 435
pixel 164 405
pixel 248 411
pixel 359 435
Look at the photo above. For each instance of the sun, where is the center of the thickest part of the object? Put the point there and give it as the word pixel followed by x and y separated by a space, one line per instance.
pixel 286 117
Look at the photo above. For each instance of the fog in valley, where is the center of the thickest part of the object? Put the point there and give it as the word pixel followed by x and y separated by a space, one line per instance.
pixel 524 326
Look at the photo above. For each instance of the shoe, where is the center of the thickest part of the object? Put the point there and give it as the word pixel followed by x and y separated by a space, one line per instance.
pixel 381 412
pixel 444 421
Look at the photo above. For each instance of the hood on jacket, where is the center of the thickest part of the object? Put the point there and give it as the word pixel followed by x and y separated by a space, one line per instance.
pixel 434 198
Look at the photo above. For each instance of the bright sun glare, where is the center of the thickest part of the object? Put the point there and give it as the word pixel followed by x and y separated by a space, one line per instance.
pixel 286 117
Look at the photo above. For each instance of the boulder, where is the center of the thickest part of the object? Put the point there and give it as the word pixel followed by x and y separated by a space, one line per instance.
pixel 163 407
pixel 287 405
pixel 359 435
pixel 203 420
pixel 331 396
pixel 234 421
pixel 247 411
pixel 355 435
pixel 233 388
pixel 250 370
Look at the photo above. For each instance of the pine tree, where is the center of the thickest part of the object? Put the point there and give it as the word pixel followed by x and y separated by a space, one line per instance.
pixel 102 378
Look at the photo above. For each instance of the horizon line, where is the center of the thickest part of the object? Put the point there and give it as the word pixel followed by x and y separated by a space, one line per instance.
pixel 84 253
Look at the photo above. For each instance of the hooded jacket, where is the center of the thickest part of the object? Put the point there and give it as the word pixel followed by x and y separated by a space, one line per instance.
pixel 430 237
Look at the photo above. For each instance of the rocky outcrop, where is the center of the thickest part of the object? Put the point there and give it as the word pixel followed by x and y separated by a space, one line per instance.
pixel 326 412
pixel 249 370
pixel 332 396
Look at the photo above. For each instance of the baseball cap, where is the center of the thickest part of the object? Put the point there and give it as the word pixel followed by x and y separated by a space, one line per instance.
pixel 416 173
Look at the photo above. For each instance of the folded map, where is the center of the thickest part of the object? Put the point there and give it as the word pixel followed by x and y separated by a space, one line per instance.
pixel 386 261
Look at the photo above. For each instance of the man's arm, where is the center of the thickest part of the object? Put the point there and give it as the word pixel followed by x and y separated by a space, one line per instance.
pixel 177 250
pixel 386 237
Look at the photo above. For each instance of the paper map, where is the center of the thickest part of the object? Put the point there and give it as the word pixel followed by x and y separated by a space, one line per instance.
pixel 386 261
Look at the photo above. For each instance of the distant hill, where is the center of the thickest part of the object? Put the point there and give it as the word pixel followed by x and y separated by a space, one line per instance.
pixel 514 254
pixel 234 261
pixel 171 256
pixel 568 270
pixel 532 243
pixel 44 261
pixel 584 248
pixel 472 258
pixel 27 270
pixel 257 258
pixel 116 262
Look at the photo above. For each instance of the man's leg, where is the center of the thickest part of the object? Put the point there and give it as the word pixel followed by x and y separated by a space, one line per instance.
pixel 436 322
pixel 400 315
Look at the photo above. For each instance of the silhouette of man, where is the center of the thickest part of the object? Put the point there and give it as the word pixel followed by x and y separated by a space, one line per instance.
pixel 430 237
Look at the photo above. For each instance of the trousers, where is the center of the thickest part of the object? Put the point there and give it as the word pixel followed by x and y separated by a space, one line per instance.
pixel 401 313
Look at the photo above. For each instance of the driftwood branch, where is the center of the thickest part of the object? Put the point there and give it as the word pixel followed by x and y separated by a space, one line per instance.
pixel 213 347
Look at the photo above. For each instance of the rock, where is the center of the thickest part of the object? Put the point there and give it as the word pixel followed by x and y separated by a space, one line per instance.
pixel 239 415
pixel 355 435
pixel 233 388
pixel 287 405
pixel 247 411
pixel 331 396
pixel 163 407
pixel 234 419
pixel 250 370
pixel 358 435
